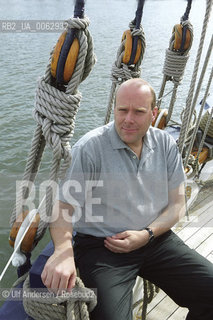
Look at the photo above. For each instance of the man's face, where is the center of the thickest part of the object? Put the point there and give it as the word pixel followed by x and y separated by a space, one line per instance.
pixel 133 114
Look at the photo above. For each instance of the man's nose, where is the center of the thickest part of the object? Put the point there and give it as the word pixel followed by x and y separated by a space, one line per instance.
pixel 129 117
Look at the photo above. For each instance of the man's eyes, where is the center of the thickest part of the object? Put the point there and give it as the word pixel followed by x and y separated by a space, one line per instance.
pixel 141 111
pixel 136 111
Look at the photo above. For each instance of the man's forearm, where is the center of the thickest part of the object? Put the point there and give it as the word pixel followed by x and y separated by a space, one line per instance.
pixel 172 213
pixel 61 226
pixel 59 272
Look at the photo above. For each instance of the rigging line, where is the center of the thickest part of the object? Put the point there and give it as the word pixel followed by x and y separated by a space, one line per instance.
pixel 139 13
pixel 203 71
pixel 197 125
pixel 79 8
pixel 186 120
pixel 188 8
pixel 136 22
pixel 183 19
pixel 166 94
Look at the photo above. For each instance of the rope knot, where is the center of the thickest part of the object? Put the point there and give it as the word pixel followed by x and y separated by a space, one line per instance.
pixel 174 65
pixel 45 305
pixel 123 73
pixel 77 23
pixel 175 59
pixel 55 112
pixel 187 23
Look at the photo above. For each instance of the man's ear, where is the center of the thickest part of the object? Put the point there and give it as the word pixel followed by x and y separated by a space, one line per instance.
pixel 154 113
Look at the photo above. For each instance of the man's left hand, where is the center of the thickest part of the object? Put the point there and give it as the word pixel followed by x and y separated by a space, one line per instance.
pixel 127 241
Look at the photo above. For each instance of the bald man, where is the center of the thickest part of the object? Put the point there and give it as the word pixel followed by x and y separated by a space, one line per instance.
pixel 123 193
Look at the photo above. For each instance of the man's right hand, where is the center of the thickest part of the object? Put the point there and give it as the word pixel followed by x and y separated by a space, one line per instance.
pixel 59 272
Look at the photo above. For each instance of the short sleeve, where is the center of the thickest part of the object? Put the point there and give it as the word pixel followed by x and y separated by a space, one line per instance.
pixel 82 169
pixel 175 168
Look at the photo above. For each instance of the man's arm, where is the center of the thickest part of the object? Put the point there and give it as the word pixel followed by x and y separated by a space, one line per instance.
pixel 131 239
pixel 172 214
pixel 59 272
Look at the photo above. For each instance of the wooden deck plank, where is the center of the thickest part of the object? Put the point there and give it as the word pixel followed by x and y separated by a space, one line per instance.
pixel 156 301
pixel 204 196
pixel 198 234
pixel 162 307
pixel 179 314
pixel 197 219
pixel 194 227
pixel 210 257
pixel 205 248
pixel 163 310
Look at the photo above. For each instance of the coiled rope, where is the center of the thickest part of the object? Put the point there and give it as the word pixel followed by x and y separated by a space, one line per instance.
pixel 175 60
pixel 189 107
pixel 55 112
pixel 122 71
pixel 43 305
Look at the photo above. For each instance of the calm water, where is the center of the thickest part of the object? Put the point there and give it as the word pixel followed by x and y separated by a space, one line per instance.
pixel 23 58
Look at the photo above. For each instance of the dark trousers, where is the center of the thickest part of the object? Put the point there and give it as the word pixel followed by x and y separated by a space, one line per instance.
pixel 181 272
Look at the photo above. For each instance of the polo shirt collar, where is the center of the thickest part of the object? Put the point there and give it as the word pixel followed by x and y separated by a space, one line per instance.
pixel 148 139
pixel 117 143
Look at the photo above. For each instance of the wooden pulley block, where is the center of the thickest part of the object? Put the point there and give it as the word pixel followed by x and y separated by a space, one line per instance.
pixel 71 58
pixel 178 31
pixel 128 47
pixel 202 156
pixel 28 242
pixel 160 120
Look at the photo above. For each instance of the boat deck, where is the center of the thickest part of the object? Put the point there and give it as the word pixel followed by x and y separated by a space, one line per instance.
pixel 197 232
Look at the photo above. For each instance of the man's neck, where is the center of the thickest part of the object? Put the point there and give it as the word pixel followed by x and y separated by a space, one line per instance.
pixel 137 149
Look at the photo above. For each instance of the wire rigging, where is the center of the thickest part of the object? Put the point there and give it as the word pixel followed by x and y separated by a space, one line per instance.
pixel 136 22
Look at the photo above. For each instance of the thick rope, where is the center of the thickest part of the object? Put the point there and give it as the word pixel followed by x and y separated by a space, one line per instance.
pixel 174 67
pixel 55 113
pixel 34 158
pixel 121 71
pixel 188 111
pixel 20 280
pixel 44 305
pixel 149 290
pixel 175 62
pixel 188 8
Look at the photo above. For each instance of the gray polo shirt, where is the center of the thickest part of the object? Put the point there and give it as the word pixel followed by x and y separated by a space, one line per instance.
pixel 111 189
